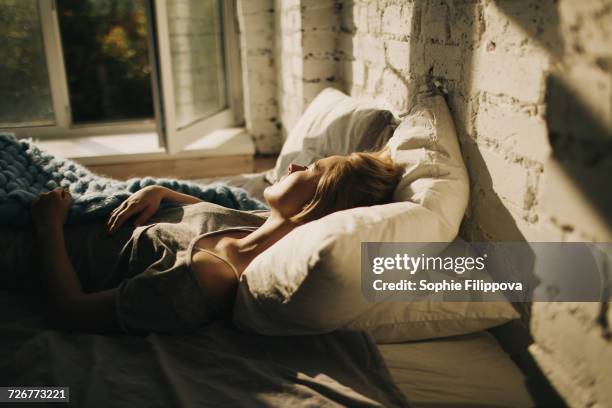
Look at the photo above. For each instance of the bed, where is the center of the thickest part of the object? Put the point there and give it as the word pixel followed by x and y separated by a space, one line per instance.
pixel 221 366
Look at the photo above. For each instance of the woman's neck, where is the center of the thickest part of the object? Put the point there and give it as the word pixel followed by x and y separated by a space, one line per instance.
pixel 270 232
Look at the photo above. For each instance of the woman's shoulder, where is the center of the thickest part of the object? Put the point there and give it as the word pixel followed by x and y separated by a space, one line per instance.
pixel 216 275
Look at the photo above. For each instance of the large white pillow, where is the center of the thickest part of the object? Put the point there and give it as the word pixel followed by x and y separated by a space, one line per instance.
pixel 334 123
pixel 396 320
pixel 310 281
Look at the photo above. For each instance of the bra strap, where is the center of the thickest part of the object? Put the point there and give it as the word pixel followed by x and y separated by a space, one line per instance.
pixel 228 263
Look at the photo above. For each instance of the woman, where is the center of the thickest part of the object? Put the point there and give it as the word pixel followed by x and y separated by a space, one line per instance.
pixel 182 271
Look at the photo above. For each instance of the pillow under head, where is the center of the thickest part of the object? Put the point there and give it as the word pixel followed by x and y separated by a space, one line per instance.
pixel 334 123
pixel 310 281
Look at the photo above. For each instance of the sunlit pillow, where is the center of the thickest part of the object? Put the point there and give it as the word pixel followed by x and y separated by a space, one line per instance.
pixel 310 281
pixel 334 123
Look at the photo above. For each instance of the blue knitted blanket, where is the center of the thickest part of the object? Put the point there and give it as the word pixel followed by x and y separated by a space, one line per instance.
pixel 26 171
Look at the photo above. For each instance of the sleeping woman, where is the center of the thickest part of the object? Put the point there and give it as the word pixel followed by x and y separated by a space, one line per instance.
pixel 176 269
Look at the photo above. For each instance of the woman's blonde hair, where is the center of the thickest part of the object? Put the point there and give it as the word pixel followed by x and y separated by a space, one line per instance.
pixel 357 180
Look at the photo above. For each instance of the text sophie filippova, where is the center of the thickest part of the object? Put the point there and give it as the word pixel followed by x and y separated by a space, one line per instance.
pixel 458 265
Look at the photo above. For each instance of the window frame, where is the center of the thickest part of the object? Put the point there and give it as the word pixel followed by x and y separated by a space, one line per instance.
pixel 176 139
pixel 64 128
pixel 58 84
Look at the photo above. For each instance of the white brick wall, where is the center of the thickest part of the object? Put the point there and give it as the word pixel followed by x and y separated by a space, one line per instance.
pixel 306 38
pixel 257 38
pixel 518 74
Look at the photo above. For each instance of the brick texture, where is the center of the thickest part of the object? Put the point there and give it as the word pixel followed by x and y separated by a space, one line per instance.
pixel 306 54
pixel 529 84
pixel 256 23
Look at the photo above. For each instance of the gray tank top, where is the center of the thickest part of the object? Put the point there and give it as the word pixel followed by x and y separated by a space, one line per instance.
pixel 158 292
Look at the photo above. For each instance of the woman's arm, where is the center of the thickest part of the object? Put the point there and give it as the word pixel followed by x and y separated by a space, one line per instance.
pixel 145 203
pixel 69 307
pixel 172 195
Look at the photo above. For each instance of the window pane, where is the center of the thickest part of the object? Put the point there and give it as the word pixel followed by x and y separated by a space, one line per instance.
pixel 25 95
pixel 105 45
pixel 196 46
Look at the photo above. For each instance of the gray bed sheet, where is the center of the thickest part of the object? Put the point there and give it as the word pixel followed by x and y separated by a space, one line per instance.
pixel 214 367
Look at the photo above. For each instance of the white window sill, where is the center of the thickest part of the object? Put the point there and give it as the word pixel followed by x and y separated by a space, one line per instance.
pixel 137 147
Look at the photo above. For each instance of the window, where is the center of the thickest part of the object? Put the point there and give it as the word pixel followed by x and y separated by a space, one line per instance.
pixel 93 67
pixel 24 76
pixel 197 55
pixel 106 57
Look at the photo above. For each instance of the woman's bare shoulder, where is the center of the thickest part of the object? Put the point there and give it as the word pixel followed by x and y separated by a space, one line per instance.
pixel 214 275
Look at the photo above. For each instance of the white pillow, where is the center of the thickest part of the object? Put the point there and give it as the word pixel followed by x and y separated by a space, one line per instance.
pixel 396 320
pixel 310 281
pixel 334 123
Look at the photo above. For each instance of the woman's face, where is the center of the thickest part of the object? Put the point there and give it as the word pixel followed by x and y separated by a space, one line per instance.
pixel 292 192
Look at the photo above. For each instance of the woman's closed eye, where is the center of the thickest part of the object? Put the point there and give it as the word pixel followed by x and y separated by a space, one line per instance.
pixel 315 166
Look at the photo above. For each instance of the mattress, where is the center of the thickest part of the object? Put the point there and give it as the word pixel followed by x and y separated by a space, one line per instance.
pixel 470 370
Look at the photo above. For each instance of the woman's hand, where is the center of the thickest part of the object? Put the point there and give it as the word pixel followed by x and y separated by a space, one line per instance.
pixel 144 203
pixel 51 208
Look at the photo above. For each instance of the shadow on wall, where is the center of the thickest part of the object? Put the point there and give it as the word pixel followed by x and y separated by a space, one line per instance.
pixel 487 219
pixel 441 40
pixel 539 20
pixel 581 143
